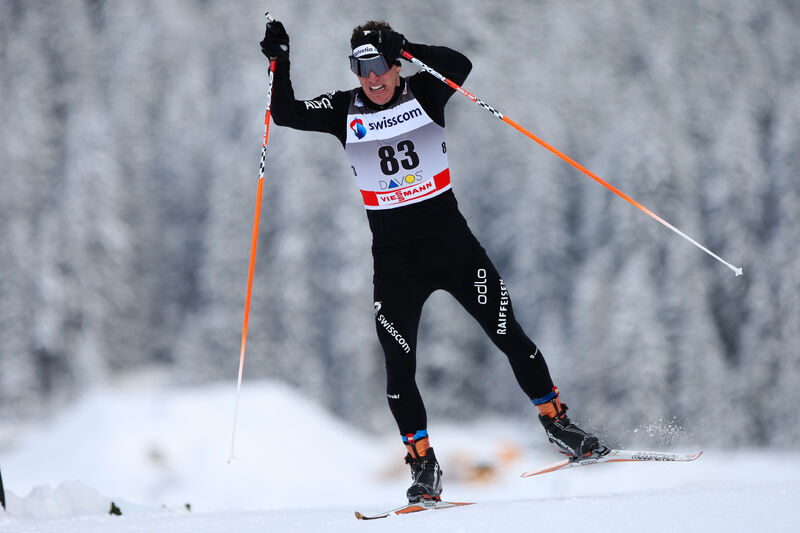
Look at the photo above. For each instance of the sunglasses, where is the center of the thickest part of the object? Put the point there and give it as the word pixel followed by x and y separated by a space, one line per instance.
pixel 361 66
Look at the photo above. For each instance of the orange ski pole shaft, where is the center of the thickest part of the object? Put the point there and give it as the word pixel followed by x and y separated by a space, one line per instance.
pixel 253 249
pixel 456 87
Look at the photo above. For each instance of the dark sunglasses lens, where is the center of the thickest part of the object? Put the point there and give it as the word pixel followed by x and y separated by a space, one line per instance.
pixel 362 67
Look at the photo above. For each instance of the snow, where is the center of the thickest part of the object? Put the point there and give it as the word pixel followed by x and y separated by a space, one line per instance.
pixel 160 454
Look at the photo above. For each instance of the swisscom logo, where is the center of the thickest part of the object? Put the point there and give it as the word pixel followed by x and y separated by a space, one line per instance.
pixel 358 128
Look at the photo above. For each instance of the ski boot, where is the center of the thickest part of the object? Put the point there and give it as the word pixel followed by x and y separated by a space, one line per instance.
pixel 568 438
pixel 426 476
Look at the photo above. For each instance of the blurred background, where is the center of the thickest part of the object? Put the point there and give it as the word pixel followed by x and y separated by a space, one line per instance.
pixel 129 144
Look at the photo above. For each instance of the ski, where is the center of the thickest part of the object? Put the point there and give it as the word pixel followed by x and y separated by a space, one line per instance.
pixel 606 455
pixel 425 505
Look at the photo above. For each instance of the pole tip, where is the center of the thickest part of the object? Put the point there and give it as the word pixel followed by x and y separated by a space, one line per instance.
pixel 738 271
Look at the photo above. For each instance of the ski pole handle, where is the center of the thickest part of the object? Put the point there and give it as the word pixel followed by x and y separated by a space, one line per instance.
pixel 271 19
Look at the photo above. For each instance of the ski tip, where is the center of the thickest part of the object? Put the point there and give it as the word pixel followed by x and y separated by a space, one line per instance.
pixel 359 516
pixel 551 468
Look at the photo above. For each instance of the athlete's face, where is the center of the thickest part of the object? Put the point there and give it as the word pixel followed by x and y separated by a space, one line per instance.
pixel 380 89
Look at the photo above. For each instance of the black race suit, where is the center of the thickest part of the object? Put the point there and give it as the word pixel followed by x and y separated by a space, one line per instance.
pixel 421 245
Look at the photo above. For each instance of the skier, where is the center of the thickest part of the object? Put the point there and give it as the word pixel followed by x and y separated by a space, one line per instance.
pixel 392 131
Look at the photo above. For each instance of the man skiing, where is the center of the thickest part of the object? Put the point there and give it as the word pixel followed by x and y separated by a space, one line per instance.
pixel 392 131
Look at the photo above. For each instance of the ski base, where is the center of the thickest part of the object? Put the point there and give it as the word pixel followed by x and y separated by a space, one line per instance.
pixel 606 455
pixel 424 505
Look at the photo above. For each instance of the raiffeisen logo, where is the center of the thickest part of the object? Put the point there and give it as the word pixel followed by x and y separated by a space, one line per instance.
pixel 358 128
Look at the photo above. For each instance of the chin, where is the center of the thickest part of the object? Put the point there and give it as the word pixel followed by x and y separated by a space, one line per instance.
pixel 377 100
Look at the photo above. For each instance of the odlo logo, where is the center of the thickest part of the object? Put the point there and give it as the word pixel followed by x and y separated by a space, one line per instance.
pixel 358 128
pixel 480 286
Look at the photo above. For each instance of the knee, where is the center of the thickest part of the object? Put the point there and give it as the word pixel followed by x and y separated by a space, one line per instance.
pixel 513 341
pixel 400 376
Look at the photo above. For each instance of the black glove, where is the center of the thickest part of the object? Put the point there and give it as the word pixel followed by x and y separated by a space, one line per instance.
pixel 389 43
pixel 276 41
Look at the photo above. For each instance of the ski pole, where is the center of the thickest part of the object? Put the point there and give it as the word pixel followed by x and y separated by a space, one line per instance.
pixel 737 270
pixel 253 247
pixel 2 493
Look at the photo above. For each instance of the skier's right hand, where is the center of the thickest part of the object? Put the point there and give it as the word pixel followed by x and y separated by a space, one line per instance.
pixel 276 41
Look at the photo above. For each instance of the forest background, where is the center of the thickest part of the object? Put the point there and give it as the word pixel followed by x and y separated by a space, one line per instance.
pixel 129 142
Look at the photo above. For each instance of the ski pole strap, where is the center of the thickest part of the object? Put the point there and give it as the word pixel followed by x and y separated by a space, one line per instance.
pixel 411 438
pixel 544 399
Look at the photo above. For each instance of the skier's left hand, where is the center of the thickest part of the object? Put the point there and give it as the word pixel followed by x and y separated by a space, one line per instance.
pixel 390 44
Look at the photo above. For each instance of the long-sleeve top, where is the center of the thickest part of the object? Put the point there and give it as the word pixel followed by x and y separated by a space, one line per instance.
pixel 328 113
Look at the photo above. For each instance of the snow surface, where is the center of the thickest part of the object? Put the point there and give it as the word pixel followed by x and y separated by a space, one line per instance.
pixel 153 449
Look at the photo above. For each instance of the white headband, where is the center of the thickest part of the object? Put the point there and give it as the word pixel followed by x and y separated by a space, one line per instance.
pixel 365 50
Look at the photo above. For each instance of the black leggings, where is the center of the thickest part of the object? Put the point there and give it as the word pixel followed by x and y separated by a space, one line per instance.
pixel 406 274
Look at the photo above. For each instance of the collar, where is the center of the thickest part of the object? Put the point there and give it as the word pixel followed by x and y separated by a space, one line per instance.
pixel 401 89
